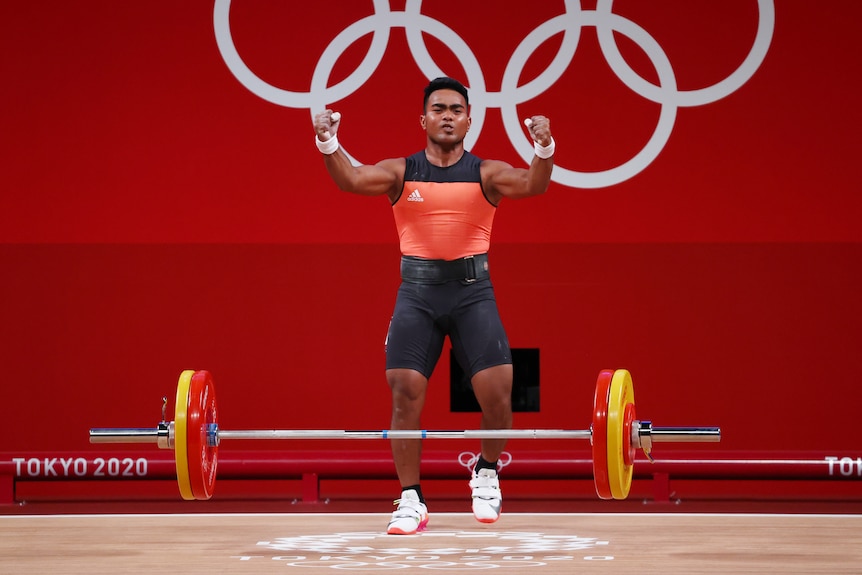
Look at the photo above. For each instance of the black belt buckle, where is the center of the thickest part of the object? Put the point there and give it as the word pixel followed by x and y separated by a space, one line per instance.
pixel 470 269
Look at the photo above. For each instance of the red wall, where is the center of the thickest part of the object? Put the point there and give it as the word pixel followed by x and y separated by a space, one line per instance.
pixel 156 215
pixel 757 338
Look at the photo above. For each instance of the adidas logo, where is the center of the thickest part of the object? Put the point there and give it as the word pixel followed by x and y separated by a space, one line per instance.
pixel 415 197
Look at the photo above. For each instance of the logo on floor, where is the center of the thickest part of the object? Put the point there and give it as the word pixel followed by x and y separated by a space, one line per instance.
pixel 432 550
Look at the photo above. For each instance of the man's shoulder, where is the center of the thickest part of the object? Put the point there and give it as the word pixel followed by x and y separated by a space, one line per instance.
pixel 392 163
pixel 491 166
pixel 416 157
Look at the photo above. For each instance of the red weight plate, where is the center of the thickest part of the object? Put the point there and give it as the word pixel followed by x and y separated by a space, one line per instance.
pixel 203 457
pixel 600 434
pixel 629 447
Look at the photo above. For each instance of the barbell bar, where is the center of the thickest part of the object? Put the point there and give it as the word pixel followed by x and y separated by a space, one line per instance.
pixel 152 435
pixel 195 436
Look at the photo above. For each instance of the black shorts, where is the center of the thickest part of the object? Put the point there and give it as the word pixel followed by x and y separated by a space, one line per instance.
pixel 426 313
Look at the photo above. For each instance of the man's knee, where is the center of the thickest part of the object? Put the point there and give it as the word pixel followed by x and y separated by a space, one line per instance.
pixel 406 384
pixel 493 388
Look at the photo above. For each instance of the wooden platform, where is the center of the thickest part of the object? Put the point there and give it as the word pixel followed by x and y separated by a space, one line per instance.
pixel 520 543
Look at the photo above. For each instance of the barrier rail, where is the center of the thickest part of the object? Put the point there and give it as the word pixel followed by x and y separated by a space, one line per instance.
pixel 311 466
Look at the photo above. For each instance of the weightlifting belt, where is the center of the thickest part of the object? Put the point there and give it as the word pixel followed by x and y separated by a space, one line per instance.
pixel 466 270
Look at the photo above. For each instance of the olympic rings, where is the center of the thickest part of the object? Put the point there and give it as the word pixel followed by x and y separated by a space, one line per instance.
pixel 468 459
pixel 570 23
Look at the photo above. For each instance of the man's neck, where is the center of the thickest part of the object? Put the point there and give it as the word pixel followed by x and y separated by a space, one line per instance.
pixel 444 156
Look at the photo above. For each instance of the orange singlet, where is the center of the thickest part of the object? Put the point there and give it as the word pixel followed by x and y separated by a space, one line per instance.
pixel 442 213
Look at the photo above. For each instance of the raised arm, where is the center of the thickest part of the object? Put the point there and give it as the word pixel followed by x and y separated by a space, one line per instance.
pixel 383 178
pixel 501 180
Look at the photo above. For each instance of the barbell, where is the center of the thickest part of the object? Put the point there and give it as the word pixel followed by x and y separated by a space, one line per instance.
pixel 615 434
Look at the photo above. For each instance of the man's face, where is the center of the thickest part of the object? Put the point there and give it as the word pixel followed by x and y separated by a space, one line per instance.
pixel 445 118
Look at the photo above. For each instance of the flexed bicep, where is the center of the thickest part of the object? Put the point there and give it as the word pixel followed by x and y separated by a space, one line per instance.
pixel 383 178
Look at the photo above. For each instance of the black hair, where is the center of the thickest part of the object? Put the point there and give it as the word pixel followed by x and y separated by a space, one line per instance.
pixel 444 83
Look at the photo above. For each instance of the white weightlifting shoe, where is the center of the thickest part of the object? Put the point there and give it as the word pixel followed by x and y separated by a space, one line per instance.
pixel 487 499
pixel 410 516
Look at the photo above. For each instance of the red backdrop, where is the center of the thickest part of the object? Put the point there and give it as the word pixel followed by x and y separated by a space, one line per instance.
pixel 156 214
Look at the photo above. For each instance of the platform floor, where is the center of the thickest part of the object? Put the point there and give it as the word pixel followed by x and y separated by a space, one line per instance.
pixel 523 543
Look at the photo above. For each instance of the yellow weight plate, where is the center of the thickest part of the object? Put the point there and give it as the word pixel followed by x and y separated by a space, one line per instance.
pixel 621 394
pixel 181 435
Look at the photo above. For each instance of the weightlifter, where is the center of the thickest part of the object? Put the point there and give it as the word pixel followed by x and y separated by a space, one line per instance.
pixel 444 199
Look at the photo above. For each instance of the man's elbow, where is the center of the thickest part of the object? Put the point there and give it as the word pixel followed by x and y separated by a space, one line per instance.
pixel 537 189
